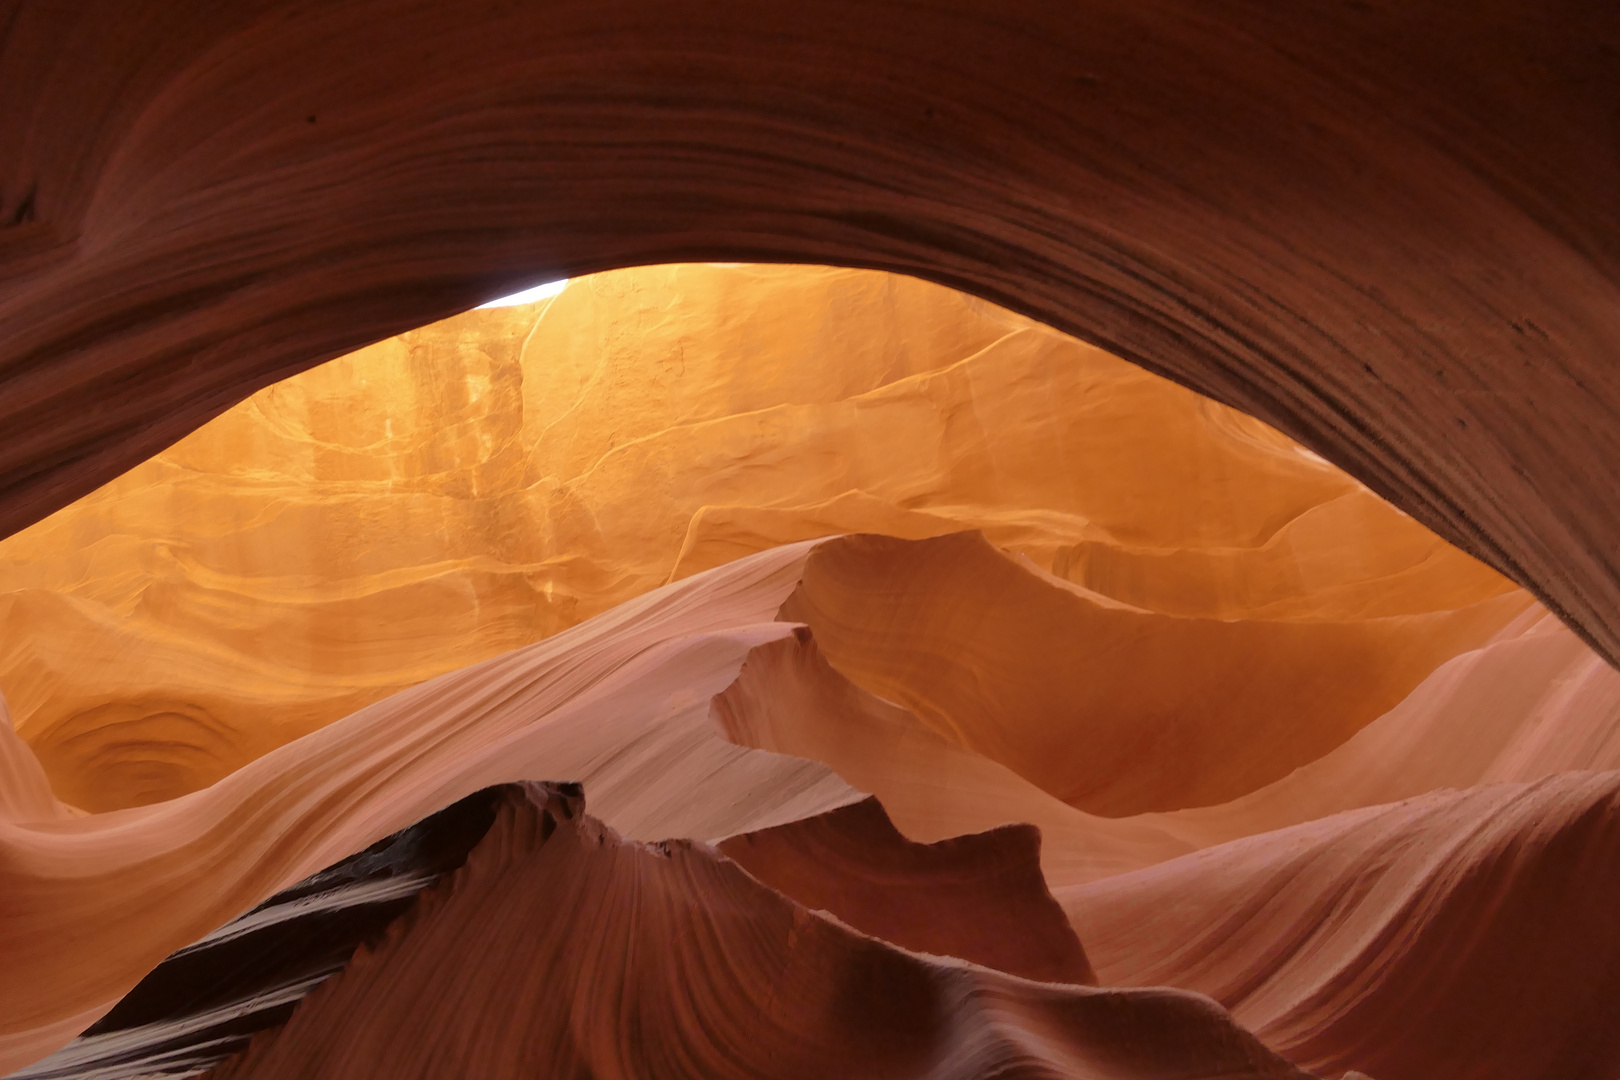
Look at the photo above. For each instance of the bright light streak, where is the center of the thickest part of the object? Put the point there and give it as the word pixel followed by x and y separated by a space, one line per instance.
pixel 529 296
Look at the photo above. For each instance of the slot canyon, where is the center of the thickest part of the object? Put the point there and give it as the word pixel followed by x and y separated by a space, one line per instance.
pixel 1020 540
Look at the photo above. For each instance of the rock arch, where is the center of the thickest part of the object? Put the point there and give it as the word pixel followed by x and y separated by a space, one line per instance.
pixel 1389 230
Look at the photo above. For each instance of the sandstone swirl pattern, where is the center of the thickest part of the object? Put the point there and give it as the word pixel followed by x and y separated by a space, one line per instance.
pixel 695 969
pixel 1388 231
pixel 469 488
pixel 963 703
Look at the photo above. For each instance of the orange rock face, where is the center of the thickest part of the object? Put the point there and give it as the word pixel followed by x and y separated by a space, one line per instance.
pixel 949 699
pixel 1116 710
pixel 465 489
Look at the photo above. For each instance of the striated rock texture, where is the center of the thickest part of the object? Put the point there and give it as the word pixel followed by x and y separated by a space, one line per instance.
pixel 90 903
pixel 1388 230
pixel 201 1005
pixel 694 969
pixel 471 487
pixel 1467 934
pixel 1373 938
pixel 1116 736
pixel 204 1001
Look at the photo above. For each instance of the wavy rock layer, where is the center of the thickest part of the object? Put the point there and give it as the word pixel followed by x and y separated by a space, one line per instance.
pixel 1233 690
pixel 695 969
pixel 1466 934
pixel 1388 230
pixel 203 1002
pixel 1532 703
pixel 468 488
pixel 90 904
pixel 1113 709
pixel 1374 939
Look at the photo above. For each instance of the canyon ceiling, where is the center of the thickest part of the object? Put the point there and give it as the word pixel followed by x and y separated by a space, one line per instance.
pixel 1388 230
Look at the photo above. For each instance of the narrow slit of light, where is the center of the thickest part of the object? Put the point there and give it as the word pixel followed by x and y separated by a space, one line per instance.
pixel 529 296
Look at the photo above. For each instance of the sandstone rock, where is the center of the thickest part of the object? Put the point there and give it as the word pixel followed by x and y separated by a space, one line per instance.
pixel 471 487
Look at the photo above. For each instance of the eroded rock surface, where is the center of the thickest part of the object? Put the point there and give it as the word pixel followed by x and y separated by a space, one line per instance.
pixel 471 487
pixel 1116 736
pixel 695 969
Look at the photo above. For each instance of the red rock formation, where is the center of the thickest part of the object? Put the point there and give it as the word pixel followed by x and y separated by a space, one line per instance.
pixel 1177 629
pixel 980 897
pixel 562 950
pixel 89 904
pixel 204 1002
pixel 1464 934
pixel 1320 937
pixel 1388 231
pixel 623 702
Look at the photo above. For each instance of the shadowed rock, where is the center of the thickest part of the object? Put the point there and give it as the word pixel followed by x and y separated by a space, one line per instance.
pixel 201 1004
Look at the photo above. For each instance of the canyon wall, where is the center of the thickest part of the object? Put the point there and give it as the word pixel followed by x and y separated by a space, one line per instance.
pixel 1317 795
pixel 1388 231
pixel 474 486
pixel 728 670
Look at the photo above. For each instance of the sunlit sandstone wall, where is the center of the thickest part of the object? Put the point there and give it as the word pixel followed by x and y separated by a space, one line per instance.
pixel 457 491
